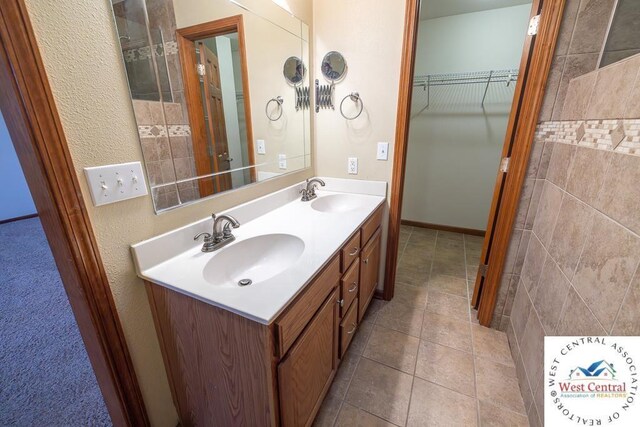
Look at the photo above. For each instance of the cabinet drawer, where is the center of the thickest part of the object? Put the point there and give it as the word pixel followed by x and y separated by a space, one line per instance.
pixel 371 225
pixel 349 285
pixel 350 251
pixel 291 323
pixel 348 328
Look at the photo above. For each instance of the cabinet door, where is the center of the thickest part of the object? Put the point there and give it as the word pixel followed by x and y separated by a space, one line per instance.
pixel 369 268
pixel 305 374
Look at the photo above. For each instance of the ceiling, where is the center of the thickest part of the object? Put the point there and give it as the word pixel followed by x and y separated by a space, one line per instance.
pixel 438 8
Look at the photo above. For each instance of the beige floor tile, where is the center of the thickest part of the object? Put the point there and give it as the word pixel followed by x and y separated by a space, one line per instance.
pixel 432 405
pixel 448 305
pixel 359 341
pixel 350 416
pixel 401 318
pixel 345 373
pixel 393 349
pixel 374 308
pixel 449 267
pixel 447 367
pixel 412 296
pixel 446 331
pixel 412 276
pixel 494 416
pixel 328 412
pixel 381 391
pixel 491 344
pixel 450 235
pixel 498 383
pixel 448 284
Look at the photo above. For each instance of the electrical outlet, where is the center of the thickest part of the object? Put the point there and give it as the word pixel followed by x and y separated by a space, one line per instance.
pixel 282 161
pixel 352 166
pixel 112 183
pixel 262 148
pixel 383 151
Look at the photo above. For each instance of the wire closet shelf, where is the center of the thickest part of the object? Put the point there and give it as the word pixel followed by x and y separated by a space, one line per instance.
pixel 433 84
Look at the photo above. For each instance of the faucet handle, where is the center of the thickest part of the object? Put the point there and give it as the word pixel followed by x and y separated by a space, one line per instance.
pixel 226 231
pixel 207 237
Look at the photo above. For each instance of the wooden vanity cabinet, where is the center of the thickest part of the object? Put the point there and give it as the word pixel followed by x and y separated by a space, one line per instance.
pixel 225 369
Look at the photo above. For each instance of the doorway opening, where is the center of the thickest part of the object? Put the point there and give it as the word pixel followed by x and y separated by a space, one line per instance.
pixel 46 376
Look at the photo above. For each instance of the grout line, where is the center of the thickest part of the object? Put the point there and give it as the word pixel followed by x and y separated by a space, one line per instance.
pixel 615 319
pixel 473 350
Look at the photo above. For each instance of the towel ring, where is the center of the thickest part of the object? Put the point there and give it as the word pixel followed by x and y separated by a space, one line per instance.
pixel 278 100
pixel 355 97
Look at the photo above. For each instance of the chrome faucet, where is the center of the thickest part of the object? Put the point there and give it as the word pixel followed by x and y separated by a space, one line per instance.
pixel 309 193
pixel 221 235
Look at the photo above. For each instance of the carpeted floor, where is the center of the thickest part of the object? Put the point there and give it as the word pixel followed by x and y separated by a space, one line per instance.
pixel 45 375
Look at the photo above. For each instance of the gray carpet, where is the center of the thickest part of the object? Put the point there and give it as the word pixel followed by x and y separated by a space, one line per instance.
pixel 45 375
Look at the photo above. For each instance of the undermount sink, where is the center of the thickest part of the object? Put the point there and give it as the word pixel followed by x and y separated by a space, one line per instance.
pixel 335 203
pixel 256 259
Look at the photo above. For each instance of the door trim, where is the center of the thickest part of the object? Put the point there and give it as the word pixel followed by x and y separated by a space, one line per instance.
pixel 188 61
pixel 517 143
pixel 34 124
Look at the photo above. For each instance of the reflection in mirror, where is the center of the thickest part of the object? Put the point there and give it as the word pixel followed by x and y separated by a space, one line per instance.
pixel 334 66
pixel 201 74
pixel 212 57
pixel 623 39
pixel 294 70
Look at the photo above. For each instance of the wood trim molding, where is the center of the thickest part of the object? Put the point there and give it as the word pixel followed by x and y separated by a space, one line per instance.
pixel 29 109
pixel 541 58
pixel 462 230
pixel 403 117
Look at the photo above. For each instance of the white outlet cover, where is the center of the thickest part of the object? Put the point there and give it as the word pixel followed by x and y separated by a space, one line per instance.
pixel 383 151
pixel 262 147
pixel 113 183
pixel 352 166
pixel 282 161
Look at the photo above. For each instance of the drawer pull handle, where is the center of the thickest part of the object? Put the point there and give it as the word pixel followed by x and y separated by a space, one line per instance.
pixel 354 287
pixel 355 251
pixel 353 329
pixel 366 261
pixel 341 302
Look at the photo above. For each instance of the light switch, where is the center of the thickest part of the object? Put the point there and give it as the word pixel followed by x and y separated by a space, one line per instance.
pixel 352 166
pixel 262 149
pixel 112 183
pixel 282 161
pixel 383 151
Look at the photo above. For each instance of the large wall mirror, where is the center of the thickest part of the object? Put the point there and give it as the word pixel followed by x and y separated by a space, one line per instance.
pixel 213 108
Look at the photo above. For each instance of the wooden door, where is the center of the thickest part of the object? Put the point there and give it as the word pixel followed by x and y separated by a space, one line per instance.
pixel 214 117
pixel 369 272
pixel 305 374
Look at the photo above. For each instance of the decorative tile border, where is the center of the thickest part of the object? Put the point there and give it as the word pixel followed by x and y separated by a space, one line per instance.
pixel 144 53
pixel 621 136
pixel 156 131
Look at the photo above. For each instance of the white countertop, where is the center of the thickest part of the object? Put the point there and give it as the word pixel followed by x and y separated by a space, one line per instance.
pixel 171 261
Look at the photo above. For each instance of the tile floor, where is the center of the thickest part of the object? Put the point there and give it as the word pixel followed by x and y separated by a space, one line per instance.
pixel 422 359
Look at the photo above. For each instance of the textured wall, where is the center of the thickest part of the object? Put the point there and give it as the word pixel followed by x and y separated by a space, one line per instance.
pixel 572 267
pixel 82 59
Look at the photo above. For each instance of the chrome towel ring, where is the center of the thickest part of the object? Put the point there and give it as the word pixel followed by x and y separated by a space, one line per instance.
pixel 355 97
pixel 278 100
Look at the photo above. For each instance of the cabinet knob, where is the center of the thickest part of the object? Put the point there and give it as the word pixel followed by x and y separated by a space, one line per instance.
pixel 354 287
pixel 340 302
pixel 366 261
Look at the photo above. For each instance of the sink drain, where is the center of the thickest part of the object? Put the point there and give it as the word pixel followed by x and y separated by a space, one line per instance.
pixel 245 282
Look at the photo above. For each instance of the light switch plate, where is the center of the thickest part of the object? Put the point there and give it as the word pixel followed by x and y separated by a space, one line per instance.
pixel 383 151
pixel 282 161
pixel 352 166
pixel 113 183
pixel 262 148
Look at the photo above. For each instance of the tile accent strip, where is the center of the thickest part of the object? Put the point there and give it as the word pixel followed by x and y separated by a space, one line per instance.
pixel 154 131
pixel 621 136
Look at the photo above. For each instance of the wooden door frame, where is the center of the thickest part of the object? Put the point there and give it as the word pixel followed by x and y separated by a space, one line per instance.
pixel 188 61
pixel 518 142
pixel 33 122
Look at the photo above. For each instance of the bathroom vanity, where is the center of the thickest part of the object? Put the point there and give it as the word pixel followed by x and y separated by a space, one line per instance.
pixel 265 354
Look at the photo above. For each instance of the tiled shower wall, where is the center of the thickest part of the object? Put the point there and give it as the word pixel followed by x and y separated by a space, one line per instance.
pixel 572 267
